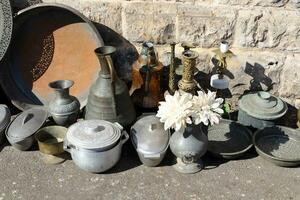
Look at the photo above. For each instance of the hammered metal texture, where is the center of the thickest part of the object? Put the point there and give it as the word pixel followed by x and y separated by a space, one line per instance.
pixel 6 25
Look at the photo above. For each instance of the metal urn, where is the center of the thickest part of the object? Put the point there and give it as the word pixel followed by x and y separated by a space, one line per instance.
pixel 260 109
pixel 64 108
pixel 189 145
pixel 109 98
pixel 188 83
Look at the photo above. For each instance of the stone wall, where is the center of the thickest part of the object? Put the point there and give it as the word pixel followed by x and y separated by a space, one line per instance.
pixel 264 35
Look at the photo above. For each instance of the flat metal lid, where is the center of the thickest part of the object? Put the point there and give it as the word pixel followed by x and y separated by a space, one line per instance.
pixel 94 134
pixel 148 135
pixel 27 123
pixel 4 116
pixel 263 105
pixel 6 24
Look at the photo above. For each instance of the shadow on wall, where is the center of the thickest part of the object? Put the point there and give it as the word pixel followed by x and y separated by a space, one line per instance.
pixel 126 54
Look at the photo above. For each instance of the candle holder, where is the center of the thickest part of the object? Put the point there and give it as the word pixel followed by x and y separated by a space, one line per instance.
pixel 220 80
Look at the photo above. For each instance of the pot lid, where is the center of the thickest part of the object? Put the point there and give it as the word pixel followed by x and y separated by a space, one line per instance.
pixel 94 134
pixel 6 24
pixel 4 116
pixel 148 135
pixel 27 123
pixel 263 105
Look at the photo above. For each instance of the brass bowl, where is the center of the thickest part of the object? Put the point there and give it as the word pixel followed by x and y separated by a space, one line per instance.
pixel 50 139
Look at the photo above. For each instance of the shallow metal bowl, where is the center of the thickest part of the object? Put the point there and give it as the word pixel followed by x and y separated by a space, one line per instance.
pixel 229 139
pixel 279 145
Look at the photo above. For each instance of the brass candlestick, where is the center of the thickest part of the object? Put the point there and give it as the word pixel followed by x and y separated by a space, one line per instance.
pixel 172 85
pixel 188 83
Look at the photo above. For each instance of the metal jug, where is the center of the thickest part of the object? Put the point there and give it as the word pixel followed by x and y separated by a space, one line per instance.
pixel 109 98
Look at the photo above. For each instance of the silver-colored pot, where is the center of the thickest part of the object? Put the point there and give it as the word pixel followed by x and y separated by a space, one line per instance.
pixel 20 132
pixel 150 140
pixel 260 110
pixel 95 145
pixel 4 121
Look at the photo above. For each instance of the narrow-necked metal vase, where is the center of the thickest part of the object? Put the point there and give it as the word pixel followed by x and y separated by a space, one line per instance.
pixel 109 97
pixel 64 108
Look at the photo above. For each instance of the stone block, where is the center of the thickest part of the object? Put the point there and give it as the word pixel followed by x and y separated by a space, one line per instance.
pixel 149 21
pixel 268 28
pixel 270 3
pixel 290 78
pixel 205 26
pixel 104 12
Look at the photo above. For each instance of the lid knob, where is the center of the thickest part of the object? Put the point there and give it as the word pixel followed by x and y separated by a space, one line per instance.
pixel 27 117
pixel 95 129
pixel 264 95
pixel 153 127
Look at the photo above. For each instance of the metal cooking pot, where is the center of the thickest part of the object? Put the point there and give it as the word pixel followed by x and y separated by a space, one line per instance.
pixel 4 121
pixel 260 109
pixel 20 132
pixel 150 140
pixel 95 145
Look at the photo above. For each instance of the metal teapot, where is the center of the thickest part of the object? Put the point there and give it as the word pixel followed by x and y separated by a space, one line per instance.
pixel 109 98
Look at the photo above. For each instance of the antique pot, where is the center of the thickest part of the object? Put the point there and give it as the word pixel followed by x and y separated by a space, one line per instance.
pixel 20 132
pixel 95 145
pixel 260 109
pixel 50 140
pixel 4 121
pixel 109 97
pixel 64 108
pixel 189 145
pixel 150 140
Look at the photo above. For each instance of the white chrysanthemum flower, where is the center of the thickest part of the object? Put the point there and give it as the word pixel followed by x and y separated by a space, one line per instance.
pixel 206 108
pixel 175 112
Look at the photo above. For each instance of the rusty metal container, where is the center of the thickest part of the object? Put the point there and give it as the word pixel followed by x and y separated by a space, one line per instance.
pixel 109 98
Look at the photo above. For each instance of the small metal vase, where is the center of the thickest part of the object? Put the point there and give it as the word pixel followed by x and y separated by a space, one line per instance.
pixel 64 108
pixel 189 145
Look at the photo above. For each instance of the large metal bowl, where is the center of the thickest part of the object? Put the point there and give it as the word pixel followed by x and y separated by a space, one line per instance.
pixel 50 42
pixel 279 145
pixel 229 139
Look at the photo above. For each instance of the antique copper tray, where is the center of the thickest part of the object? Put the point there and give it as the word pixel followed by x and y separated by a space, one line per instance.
pixel 6 25
pixel 51 42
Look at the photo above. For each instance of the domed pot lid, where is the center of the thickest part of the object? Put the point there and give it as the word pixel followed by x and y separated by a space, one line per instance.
pixel 6 24
pixel 4 116
pixel 94 134
pixel 148 135
pixel 263 105
pixel 27 123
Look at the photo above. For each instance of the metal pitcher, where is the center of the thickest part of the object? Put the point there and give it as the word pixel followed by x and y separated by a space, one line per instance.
pixel 109 98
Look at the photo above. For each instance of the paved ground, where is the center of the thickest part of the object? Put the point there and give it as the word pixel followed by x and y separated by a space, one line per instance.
pixel 24 176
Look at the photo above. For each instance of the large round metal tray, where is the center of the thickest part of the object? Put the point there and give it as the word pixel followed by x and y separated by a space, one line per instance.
pixel 279 145
pixel 50 42
pixel 5 26
pixel 229 139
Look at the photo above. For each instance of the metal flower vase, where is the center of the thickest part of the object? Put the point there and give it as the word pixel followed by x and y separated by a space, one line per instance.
pixel 64 108
pixel 109 97
pixel 189 145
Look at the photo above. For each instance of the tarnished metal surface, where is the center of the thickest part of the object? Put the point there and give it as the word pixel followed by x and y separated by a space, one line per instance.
pixel 6 25
pixel 51 42
pixel 279 145
pixel 229 139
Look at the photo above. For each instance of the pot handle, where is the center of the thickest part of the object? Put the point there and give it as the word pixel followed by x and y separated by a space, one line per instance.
pixel 124 137
pixel 67 147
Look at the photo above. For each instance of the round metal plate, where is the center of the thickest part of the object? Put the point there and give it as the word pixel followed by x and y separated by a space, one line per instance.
pixel 6 25
pixel 60 47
